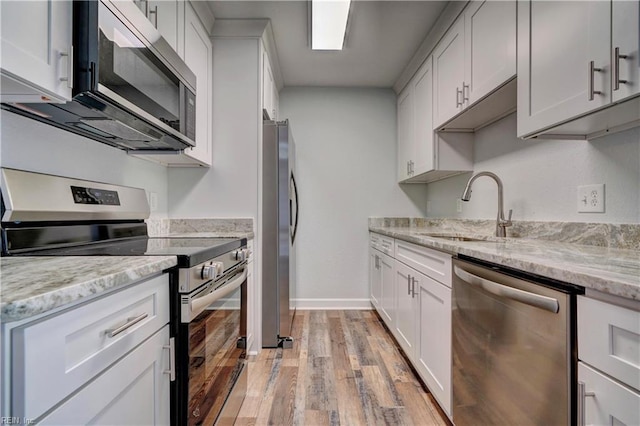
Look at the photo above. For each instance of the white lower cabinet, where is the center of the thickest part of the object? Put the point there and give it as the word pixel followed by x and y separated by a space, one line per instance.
pixel 134 391
pixel 387 300
pixel 405 325
pixel 609 367
pixel 375 278
pixel 433 345
pixel 414 301
pixel 605 401
pixel 102 362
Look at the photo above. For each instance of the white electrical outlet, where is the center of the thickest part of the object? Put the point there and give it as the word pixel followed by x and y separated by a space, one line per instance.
pixel 459 205
pixel 591 198
pixel 153 201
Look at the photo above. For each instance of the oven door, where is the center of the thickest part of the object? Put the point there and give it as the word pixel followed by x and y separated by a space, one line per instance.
pixel 211 373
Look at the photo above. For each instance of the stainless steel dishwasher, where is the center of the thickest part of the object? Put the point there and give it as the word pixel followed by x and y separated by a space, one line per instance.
pixel 514 351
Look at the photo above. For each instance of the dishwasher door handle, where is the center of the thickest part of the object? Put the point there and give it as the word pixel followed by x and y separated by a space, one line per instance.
pixel 543 302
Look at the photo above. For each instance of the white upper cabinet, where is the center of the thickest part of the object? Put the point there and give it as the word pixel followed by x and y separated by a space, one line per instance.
pixel 448 73
pixel 565 71
pixel 167 16
pixel 198 56
pixel 405 110
pixel 269 88
pixel 476 58
pixel 36 51
pixel 423 155
pixel 490 47
pixel 625 44
pixel 423 147
pixel 567 67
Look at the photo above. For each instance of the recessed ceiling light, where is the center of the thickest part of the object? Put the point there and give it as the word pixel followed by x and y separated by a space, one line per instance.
pixel 329 23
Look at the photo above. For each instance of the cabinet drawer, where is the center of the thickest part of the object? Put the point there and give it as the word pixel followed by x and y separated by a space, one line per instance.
pixel 609 339
pixel 432 263
pixel 134 391
pixel 609 403
pixel 381 243
pixel 374 240
pixel 71 348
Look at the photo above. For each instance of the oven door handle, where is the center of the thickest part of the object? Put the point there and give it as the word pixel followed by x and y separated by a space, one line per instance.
pixel 199 304
pixel 532 299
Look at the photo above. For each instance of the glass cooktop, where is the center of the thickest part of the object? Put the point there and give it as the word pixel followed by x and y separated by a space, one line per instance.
pixel 190 251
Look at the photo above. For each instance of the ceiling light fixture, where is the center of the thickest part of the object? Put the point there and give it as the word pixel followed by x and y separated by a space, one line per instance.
pixel 329 23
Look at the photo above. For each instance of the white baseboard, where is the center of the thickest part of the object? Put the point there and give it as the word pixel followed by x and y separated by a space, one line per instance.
pixel 331 304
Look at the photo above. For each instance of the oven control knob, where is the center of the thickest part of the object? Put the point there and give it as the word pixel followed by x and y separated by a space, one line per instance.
pixel 240 254
pixel 212 271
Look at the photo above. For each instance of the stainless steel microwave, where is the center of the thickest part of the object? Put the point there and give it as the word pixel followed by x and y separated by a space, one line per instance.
pixel 130 88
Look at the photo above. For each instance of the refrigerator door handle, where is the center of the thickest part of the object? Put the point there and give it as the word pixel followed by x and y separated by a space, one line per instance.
pixel 295 224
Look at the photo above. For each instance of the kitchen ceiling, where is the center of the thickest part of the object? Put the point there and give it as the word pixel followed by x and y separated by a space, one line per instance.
pixel 382 38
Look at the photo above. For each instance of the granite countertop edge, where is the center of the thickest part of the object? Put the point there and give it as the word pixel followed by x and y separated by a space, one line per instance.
pixel 560 261
pixel 214 234
pixel 66 281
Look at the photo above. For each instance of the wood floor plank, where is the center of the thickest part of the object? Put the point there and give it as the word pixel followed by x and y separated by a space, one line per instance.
pixel 344 369
pixel 283 407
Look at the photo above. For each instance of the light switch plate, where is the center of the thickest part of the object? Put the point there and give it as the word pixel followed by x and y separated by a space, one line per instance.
pixel 591 198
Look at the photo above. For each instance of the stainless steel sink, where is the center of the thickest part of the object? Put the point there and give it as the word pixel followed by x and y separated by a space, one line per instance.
pixel 451 237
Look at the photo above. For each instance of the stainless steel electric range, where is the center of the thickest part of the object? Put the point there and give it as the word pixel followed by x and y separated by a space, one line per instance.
pixel 45 215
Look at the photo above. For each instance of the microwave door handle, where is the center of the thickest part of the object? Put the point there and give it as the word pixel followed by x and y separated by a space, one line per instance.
pixel 295 224
pixel 532 299
pixel 199 304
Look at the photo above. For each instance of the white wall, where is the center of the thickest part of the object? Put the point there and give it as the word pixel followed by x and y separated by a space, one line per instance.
pixel 30 145
pixel 541 177
pixel 230 187
pixel 346 172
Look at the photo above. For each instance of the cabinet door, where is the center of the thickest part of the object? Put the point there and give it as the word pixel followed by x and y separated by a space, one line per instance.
pixel 375 279
pixel 405 325
pixel 609 402
pixel 557 41
pixel 448 73
pixel 433 347
pixel 423 152
pixel 405 132
pixel 198 57
pixel 134 391
pixel 165 15
pixel 490 44
pixel 387 300
pixel 626 39
pixel 36 48
pixel 267 86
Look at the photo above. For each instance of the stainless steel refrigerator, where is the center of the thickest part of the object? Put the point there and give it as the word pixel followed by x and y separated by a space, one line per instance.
pixel 279 227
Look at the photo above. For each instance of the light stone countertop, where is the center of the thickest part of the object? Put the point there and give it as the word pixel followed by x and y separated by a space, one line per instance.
pixel 33 285
pixel 221 234
pixel 609 270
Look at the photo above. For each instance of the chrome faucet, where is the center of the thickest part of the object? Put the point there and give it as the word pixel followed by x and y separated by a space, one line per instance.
pixel 501 222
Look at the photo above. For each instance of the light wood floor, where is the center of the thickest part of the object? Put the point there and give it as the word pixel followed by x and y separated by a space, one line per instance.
pixel 344 369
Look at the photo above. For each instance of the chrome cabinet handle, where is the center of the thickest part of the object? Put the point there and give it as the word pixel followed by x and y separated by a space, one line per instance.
pixel 130 323
pixel 154 12
pixel 458 102
pixel 69 77
pixel 592 71
pixel 409 284
pixel 407 168
pixel 532 299
pixel 172 359
pixel 413 287
pixel 582 397
pixel 616 68
pixel 465 88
